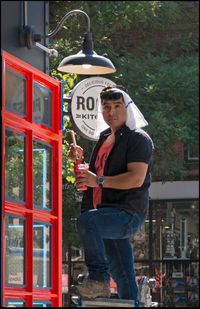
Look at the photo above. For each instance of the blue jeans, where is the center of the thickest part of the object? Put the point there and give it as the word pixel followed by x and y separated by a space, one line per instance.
pixel 105 233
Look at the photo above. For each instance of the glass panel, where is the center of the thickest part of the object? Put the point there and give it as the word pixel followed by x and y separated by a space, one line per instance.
pixel 15 93
pixel 176 232
pixel 42 104
pixel 15 171
pixel 141 269
pixel 15 229
pixel 42 175
pixel 179 284
pixel 141 242
pixel 41 304
pixel 15 303
pixel 192 154
pixel 41 254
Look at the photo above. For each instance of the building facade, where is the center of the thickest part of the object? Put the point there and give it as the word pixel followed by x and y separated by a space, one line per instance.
pixel 31 169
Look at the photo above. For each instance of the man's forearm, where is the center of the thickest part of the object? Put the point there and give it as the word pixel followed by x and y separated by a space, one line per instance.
pixel 123 181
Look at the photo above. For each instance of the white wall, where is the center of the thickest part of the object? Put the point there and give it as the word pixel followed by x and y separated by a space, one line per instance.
pixel 174 190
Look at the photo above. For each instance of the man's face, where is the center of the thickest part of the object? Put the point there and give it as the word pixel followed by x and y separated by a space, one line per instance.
pixel 114 113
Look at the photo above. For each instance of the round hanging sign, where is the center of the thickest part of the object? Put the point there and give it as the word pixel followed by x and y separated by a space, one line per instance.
pixel 85 107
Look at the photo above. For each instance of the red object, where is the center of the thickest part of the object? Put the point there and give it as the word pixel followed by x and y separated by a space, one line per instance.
pixel 26 125
pixel 78 169
pixel 113 286
pixel 160 277
pixel 65 283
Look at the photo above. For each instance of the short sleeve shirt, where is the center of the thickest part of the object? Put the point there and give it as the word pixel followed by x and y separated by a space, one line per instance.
pixel 99 166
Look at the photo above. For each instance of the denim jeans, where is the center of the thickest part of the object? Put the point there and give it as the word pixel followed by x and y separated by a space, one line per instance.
pixel 105 233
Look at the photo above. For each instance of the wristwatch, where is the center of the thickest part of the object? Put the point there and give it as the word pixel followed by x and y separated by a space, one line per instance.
pixel 100 181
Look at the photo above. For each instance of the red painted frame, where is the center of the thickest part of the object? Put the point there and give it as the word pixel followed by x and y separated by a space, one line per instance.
pixel 52 136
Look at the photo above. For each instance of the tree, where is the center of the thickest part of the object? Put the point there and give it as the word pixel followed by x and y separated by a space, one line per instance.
pixel 154 46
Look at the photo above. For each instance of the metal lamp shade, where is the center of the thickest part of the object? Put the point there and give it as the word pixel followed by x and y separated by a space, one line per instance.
pixel 87 64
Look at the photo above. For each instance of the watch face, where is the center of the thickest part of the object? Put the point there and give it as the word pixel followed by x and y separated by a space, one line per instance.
pixel 100 180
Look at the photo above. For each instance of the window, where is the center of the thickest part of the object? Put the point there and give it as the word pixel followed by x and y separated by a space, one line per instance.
pixel 14 303
pixel 42 254
pixel 15 249
pixel 15 93
pixel 42 175
pixel 31 264
pixel 15 160
pixel 192 154
pixel 42 105
pixel 175 230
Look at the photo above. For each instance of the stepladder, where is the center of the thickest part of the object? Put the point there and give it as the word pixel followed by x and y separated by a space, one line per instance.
pixel 108 302
pixel 103 302
pixel 144 300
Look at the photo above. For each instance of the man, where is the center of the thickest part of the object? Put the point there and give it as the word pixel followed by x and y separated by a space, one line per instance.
pixel 115 205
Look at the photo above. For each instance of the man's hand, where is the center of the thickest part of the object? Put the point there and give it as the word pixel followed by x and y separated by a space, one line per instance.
pixel 86 178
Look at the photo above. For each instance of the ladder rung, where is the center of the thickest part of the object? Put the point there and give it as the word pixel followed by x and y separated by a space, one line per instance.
pixel 107 302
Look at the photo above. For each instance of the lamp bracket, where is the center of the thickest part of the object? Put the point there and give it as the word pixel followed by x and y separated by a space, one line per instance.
pixel 51 52
pixel 27 37
pixel 73 12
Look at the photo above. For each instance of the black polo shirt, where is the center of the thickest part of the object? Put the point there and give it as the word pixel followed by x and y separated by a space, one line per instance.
pixel 130 146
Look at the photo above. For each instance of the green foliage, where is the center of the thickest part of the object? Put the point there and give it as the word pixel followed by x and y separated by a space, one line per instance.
pixel 154 47
pixel 41 174
pixel 15 165
pixel 167 93
pixel 70 196
pixel 71 210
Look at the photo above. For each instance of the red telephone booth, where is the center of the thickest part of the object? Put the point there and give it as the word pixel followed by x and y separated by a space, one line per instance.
pixel 31 186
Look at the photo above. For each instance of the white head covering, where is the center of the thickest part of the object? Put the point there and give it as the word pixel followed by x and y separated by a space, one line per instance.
pixel 135 118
